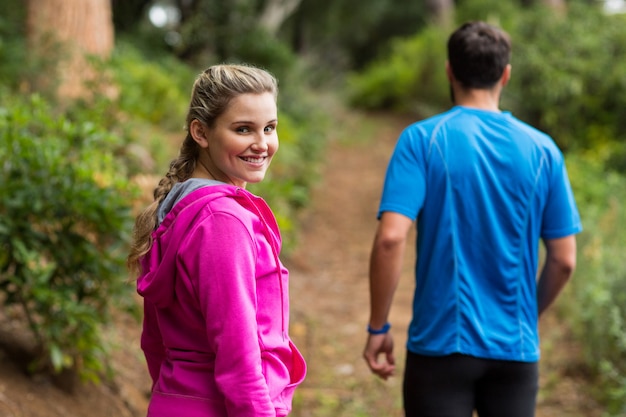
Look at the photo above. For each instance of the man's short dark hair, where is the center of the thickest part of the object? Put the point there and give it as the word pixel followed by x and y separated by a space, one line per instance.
pixel 478 53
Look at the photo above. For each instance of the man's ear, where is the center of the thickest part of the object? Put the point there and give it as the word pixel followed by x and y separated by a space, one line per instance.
pixel 506 75
pixel 449 72
pixel 199 132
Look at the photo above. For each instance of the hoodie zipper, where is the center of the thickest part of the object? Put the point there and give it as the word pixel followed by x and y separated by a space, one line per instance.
pixel 272 242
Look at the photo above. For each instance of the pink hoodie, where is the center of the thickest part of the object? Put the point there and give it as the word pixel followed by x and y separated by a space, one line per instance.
pixel 216 310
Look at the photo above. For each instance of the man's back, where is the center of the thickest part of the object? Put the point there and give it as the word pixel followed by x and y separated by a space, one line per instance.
pixel 484 188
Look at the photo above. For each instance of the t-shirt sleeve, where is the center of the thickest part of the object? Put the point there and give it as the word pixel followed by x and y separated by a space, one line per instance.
pixel 561 217
pixel 404 188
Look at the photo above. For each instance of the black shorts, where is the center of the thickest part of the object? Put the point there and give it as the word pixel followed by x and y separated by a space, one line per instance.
pixel 456 385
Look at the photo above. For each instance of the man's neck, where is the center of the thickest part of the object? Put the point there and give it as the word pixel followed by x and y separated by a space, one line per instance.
pixel 478 98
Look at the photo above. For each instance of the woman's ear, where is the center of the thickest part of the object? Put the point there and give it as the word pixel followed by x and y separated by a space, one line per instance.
pixel 199 132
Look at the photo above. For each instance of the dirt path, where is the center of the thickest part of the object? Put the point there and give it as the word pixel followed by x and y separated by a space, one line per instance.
pixel 330 294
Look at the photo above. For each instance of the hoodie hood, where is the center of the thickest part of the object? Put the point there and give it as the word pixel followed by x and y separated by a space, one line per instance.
pixel 177 214
pixel 178 192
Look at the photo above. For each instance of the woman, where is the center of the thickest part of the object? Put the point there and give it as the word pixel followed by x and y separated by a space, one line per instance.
pixel 206 252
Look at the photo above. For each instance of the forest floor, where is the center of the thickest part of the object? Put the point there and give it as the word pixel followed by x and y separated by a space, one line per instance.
pixel 329 310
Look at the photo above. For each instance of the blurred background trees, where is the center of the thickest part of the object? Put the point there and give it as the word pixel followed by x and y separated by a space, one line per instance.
pixel 113 77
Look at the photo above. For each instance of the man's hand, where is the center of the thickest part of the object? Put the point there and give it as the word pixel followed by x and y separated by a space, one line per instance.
pixel 376 345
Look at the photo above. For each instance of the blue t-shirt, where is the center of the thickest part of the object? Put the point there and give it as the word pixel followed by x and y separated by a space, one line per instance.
pixel 484 188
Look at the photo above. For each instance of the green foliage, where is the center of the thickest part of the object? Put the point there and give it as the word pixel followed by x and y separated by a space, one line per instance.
pixel 597 293
pixel 347 34
pixel 156 91
pixel 411 78
pixel 257 47
pixel 566 78
pixel 63 222
pixel 148 105
pixel 12 48
pixel 496 12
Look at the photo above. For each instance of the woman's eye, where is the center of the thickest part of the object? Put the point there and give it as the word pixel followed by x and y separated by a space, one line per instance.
pixel 270 128
pixel 243 129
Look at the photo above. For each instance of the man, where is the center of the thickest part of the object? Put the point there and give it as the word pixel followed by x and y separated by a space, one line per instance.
pixel 484 188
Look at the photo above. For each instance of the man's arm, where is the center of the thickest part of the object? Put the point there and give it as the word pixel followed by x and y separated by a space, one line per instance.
pixel 557 270
pixel 385 268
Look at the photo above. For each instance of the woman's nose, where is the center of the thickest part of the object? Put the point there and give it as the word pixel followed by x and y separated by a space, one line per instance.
pixel 260 144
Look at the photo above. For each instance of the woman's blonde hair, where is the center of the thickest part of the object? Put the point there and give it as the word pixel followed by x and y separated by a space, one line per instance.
pixel 211 94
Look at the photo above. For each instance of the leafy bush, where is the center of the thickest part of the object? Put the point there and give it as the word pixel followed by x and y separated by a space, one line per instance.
pixel 412 78
pixel 64 216
pixel 496 12
pixel 143 101
pixel 566 79
pixel 598 289
pixel 259 48
pixel 13 51
pixel 153 91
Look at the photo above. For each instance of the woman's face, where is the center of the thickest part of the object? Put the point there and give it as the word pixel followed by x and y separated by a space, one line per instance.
pixel 243 140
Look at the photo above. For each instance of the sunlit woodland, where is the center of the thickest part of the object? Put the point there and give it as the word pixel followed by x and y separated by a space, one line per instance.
pixel 93 97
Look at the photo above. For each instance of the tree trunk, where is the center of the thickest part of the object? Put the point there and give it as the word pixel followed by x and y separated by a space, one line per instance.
pixel 276 12
pixel 441 12
pixel 63 34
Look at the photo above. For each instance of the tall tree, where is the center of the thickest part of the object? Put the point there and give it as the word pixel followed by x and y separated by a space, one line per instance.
pixel 63 34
